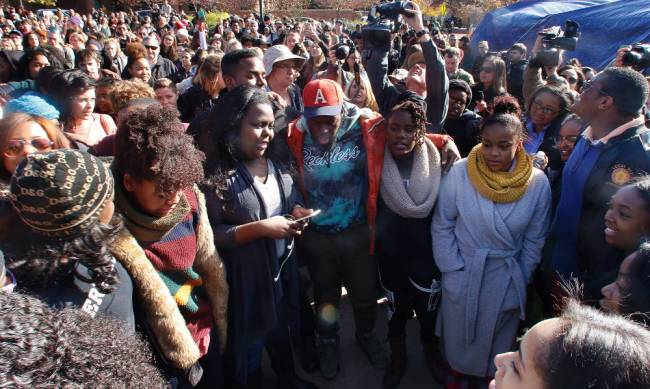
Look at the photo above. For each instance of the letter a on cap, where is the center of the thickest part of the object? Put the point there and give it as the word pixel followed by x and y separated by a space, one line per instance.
pixel 320 98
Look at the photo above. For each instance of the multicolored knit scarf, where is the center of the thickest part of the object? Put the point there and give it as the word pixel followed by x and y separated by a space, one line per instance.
pixel 500 187
pixel 170 244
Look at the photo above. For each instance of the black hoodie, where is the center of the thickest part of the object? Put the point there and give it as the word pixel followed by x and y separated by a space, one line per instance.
pixel 464 130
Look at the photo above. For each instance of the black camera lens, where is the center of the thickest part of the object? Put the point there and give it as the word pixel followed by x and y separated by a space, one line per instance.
pixel 342 52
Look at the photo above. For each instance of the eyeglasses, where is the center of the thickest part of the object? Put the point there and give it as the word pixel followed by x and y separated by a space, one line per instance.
pixel 572 80
pixel 16 146
pixel 590 85
pixel 152 47
pixel 487 69
pixel 571 139
pixel 286 66
pixel 545 110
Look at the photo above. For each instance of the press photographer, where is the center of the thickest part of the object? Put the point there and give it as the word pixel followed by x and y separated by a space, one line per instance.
pixel 547 56
pixel 426 78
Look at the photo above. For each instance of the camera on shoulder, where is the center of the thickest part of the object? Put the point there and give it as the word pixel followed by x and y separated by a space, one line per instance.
pixel 554 41
pixel 384 19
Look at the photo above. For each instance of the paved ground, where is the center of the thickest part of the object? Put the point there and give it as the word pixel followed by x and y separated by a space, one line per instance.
pixel 356 372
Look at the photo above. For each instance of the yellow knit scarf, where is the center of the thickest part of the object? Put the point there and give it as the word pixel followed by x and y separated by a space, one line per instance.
pixel 500 187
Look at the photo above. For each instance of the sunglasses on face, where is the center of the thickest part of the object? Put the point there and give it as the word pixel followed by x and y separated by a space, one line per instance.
pixel 16 146
pixel 152 47
pixel 572 80
pixel 487 69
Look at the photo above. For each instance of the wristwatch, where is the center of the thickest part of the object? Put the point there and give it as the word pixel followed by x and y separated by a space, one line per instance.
pixel 420 33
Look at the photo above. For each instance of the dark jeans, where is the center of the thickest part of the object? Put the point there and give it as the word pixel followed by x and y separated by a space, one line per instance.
pixel 278 346
pixel 406 299
pixel 342 259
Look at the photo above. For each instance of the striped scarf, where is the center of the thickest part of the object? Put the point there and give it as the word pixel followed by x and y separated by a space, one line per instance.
pixel 170 244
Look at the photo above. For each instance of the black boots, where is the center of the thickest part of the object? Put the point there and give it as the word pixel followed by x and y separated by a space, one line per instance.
pixel 435 362
pixel 398 363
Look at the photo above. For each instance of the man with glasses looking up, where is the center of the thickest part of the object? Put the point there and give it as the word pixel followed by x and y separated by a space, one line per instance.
pixel 160 67
pixel 610 153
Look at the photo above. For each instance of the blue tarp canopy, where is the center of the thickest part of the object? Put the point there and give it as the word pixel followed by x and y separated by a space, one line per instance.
pixel 605 26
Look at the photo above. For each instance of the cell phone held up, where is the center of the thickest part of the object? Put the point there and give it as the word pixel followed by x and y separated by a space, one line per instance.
pixel 304 218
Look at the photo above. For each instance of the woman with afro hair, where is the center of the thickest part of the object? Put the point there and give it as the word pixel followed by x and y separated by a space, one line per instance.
pixel 167 245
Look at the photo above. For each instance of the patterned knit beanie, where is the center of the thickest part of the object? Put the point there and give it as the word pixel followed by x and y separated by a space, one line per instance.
pixel 60 193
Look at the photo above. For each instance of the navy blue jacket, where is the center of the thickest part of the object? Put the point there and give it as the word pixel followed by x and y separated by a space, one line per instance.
pixel 623 158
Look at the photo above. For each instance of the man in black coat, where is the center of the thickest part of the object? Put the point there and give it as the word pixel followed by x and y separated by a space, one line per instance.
pixel 160 67
pixel 516 68
pixel 427 80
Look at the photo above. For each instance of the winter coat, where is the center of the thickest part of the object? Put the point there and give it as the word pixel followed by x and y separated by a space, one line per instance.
pixel 487 253
pixel 161 312
pixel 465 130
pixel 194 102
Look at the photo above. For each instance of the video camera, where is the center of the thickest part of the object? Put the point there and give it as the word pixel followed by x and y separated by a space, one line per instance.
pixel 554 41
pixel 638 57
pixel 504 55
pixel 343 49
pixel 384 19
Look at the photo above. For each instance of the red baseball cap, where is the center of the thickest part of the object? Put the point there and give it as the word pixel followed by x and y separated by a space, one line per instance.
pixel 322 98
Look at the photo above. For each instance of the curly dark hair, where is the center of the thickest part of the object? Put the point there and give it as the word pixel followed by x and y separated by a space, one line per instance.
pixel 151 144
pixel 42 347
pixel 506 104
pixel 39 262
pixel 418 114
pixel 222 140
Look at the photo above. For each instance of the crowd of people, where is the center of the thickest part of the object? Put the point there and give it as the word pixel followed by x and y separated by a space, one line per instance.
pixel 176 198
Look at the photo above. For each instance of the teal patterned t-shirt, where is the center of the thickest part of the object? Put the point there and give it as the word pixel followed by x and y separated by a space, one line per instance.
pixel 336 178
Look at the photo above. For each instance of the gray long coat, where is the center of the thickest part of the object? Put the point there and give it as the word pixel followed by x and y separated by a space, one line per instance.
pixel 487 253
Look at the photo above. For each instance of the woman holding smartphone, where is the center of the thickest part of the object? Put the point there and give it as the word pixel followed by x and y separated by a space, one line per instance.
pixel 252 202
